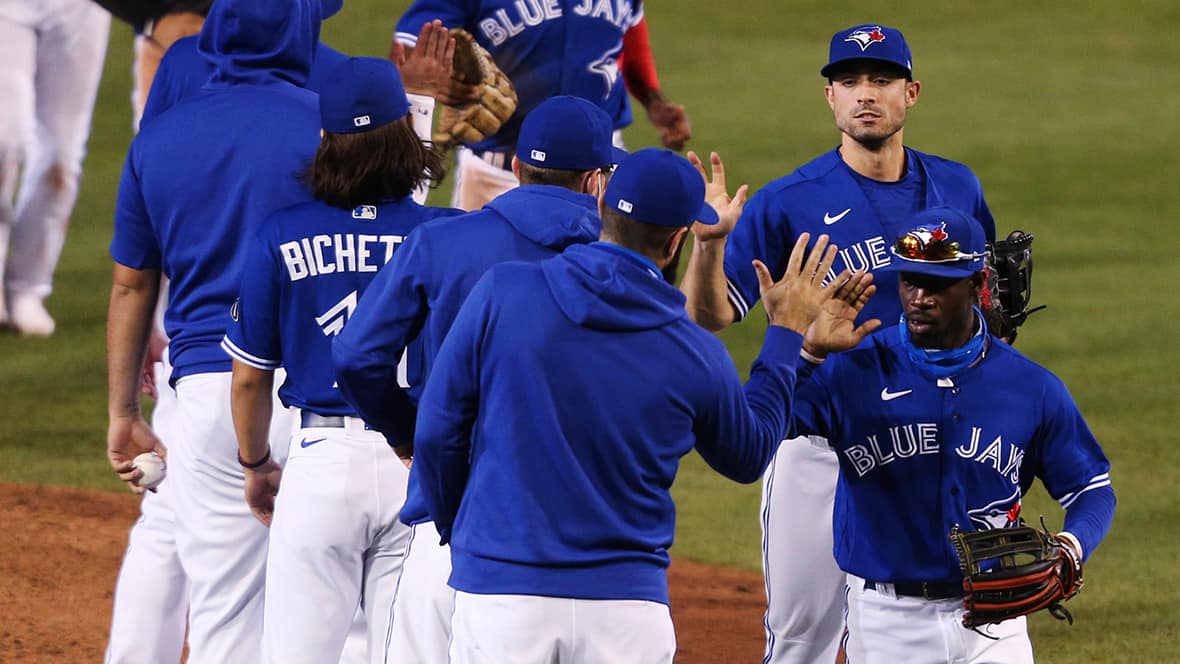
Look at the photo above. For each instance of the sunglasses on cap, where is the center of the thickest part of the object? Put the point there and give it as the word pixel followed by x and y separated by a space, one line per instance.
pixel 931 248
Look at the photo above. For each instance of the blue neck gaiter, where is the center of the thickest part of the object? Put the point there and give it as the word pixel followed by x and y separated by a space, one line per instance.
pixel 951 361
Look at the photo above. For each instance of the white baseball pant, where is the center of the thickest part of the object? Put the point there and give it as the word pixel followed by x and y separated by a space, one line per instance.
pixel 151 595
pixel 420 625
pixel 885 628
pixel 221 545
pixel 804 586
pixel 335 543
pixel 53 53
pixel 492 629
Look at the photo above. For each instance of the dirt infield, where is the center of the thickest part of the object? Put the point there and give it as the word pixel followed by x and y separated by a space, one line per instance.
pixel 60 550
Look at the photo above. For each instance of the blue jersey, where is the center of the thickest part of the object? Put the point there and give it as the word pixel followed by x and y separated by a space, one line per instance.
pixel 419 294
pixel 308 267
pixel 826 196
pixel 919 455
pixel 546 48
pixel 553 424
pixel 200 179
pixel 183 71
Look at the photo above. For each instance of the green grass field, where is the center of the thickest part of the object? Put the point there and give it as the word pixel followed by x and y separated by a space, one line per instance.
pixel 1066 111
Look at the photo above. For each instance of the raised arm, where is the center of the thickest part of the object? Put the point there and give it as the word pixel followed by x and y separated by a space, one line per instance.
pixel 704 284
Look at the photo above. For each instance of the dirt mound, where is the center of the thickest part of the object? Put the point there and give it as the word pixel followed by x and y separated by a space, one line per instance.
pixel 60 551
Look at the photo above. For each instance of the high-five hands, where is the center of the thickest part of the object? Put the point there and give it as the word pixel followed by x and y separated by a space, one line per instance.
pixel 835 328
pixel 795 300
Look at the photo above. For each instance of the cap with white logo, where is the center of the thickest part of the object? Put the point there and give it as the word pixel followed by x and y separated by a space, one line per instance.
pixel 568 133
pixel 868 42
pixel 362 94
pixel 659 187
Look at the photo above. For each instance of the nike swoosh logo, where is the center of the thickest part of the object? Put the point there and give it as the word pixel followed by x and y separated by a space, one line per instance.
pixel 829 219
pixel 886 395
pixel 309 443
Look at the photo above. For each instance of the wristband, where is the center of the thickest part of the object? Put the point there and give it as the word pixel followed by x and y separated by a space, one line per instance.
pixel 809 357
pixel 257 464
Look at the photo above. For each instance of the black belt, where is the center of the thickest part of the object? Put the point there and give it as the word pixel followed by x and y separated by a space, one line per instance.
pixel 311 420
pixel 924 589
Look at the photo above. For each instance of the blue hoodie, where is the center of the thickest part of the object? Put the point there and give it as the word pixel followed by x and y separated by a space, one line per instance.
pixel 185 68
pixel 553 424
pixel 414 299
pixel 200 180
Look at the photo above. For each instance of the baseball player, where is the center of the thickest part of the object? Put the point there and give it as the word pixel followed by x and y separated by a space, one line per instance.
pixel 190 196
pixel 937 424
pixel 557 47
pixel 335 536
pixel 562 155
pixel 861 193
pixel 182 71
pixel 559 406
pixel 157 24
pixel 53 52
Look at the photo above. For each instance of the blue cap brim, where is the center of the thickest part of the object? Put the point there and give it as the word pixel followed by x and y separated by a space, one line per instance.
pixel 619 154
pixel 707 215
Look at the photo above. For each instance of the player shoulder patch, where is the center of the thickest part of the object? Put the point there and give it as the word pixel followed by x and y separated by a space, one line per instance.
pixel 366 212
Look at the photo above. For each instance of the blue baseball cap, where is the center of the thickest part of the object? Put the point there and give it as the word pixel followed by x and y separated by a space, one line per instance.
pixel 362 94
pixel 659 187
pixel 869 42
pixel 941 242
pixel 568 133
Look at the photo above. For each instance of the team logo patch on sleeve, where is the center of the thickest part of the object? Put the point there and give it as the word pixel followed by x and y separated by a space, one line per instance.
pixel 866 36
pixel 364 212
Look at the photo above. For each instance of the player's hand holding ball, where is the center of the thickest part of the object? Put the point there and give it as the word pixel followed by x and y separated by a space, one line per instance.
pixel 128 437
pixel 153 470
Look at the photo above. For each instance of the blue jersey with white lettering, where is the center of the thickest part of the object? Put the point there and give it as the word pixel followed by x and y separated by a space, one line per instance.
pixel 919 455
pixel 200 179
pixel 308 267
pixel 826 196
pixel 545 47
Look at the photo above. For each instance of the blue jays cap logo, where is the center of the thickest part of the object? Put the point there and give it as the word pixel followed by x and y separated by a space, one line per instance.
pixel 928 233
pixel 866 36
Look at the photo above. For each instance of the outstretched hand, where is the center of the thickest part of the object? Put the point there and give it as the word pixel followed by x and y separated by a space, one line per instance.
pixel 427 68
pixel 127 438
pixel 835 328
pixel 728 208
pixel 795 300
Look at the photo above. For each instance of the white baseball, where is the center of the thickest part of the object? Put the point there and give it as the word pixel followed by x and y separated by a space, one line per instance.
pixel 153 468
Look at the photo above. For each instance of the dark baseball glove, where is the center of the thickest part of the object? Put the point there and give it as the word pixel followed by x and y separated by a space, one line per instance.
pixel 478 119
pixel 1012 572
pixel 1008 288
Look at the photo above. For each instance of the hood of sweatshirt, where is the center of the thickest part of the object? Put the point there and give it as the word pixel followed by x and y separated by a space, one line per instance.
pixel 552 217
pixel 605 287
pixel 261 42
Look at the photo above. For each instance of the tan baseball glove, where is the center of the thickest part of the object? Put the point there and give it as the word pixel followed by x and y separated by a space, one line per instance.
pixel 496 102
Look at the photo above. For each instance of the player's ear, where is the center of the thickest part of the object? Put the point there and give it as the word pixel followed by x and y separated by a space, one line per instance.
pixel 912 89
pixel 829 95
pixel 516 167
pixel 672 245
